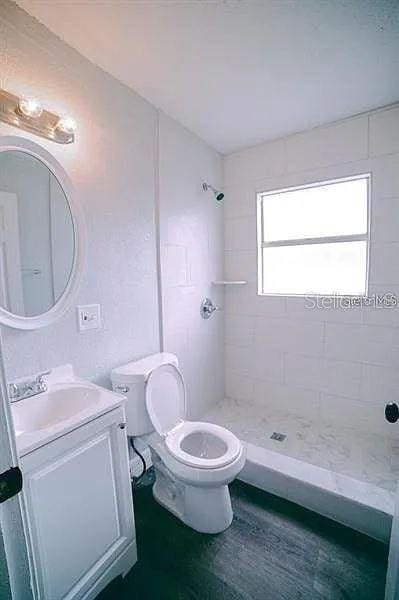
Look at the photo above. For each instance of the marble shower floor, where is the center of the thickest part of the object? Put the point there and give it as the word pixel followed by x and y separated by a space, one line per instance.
pixel 369 458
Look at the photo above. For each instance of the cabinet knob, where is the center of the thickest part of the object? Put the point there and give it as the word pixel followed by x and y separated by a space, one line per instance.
pixel 392 412
pixel 122 425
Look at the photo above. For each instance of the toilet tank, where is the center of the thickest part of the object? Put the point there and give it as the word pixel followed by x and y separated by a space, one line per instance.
pixel 130 380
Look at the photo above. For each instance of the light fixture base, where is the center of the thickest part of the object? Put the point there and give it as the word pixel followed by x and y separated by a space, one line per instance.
pixel 44 125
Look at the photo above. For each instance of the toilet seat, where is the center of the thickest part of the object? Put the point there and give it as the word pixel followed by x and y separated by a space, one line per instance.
pixel 203 445
pixel 165 398
pixel 196 444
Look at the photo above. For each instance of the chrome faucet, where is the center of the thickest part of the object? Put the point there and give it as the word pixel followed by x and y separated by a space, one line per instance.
pixel 28 387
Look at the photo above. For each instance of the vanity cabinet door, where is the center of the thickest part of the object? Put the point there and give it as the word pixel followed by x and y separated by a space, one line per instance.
pixel 79 507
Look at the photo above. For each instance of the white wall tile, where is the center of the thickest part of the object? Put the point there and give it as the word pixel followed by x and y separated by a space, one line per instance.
pixel 240 233
pixel 239 387
pixel 183 227
pixel 317 174
pixel 289 335
pixel 244 300
pixel 338 345
pixel 241 265
pixel 191 234
pixel 380 313
pixel 361 343
pixel 267 364
pixel 379 384
pixel 177 342
pixel 283 397
pixel 179 310
pixel 240 201
pixel 199 264
pixel 340 411
pixel 240 330
pixel 329 376
pixel 384 263
pixel 264 364
pixel 385 219
pixel 174 264
pixel 364 416
pixel 330 310
pixel 265 160
pixel 238 360
pixel 384 132
pixel 341 142
pixel 385 176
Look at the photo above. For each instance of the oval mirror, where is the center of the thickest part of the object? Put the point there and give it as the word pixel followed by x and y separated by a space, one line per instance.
pixel 39 245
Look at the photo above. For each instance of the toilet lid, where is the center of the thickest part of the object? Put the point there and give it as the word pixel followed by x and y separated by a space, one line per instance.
pixel 165 398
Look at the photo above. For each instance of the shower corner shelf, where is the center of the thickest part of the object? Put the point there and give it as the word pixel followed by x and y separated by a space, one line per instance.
pixel 225 282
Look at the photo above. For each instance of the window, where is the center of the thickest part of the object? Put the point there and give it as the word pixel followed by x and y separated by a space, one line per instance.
pixel 313 240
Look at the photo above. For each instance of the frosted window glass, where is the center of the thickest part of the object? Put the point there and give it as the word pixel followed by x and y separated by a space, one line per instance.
pixel 324 210
pixel 330 269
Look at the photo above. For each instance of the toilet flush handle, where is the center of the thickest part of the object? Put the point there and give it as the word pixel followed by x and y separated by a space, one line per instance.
pixel 122 389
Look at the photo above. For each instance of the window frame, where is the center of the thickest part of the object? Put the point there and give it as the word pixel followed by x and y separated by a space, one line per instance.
pixel 364 237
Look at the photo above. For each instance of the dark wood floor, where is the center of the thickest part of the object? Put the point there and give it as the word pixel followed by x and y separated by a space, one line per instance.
pixel 274 550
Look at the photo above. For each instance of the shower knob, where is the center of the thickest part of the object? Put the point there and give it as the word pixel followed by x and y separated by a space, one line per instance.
pixel 391 412
pixel 208 308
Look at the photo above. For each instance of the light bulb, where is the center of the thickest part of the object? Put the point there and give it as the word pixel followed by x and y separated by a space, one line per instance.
pixel 67 125
pixel 30 107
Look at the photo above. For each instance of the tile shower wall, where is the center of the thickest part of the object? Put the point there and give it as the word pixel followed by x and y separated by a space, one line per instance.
pixel 338 365
pixel 191 236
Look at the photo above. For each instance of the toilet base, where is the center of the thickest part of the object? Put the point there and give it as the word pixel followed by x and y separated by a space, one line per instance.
pixel 204 509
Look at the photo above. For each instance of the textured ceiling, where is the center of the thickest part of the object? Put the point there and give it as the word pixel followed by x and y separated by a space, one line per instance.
pixel 238 72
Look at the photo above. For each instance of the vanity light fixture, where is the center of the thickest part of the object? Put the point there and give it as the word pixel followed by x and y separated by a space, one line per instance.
pixel 29 115
pixel 30 107
pixel 67 125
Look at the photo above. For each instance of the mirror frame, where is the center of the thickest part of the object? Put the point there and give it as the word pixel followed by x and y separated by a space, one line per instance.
pixel 64 302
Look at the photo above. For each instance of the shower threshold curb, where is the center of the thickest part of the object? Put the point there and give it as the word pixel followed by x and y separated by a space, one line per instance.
pixel 362 506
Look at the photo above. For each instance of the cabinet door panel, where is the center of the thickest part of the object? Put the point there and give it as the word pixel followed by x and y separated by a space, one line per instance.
pixel 78 506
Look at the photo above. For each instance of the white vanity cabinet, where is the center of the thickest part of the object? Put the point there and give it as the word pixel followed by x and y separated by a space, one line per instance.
pixel 79 509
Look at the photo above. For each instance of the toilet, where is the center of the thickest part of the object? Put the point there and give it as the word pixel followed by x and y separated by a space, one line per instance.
pixel 194 461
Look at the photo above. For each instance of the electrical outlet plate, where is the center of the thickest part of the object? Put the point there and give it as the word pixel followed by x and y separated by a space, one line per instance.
pixel 89 317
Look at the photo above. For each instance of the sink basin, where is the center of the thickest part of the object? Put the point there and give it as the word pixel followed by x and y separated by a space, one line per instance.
pixel 50 408
pixel 63 407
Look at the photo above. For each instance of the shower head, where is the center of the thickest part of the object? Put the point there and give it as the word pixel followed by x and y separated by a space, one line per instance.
pixel 217 193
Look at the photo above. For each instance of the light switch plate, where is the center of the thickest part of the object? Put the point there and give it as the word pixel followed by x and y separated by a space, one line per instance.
pixel 89 317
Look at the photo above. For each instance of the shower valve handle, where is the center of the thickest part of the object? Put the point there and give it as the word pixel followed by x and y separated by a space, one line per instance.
pixel 208 308
pixel 391 412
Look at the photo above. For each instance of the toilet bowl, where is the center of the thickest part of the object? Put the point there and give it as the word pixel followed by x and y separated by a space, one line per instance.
pixel 194 461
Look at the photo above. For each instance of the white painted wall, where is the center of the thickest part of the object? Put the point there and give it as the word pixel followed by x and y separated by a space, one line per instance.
pixel 112 167
pixel 335 364
pixel 191 236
